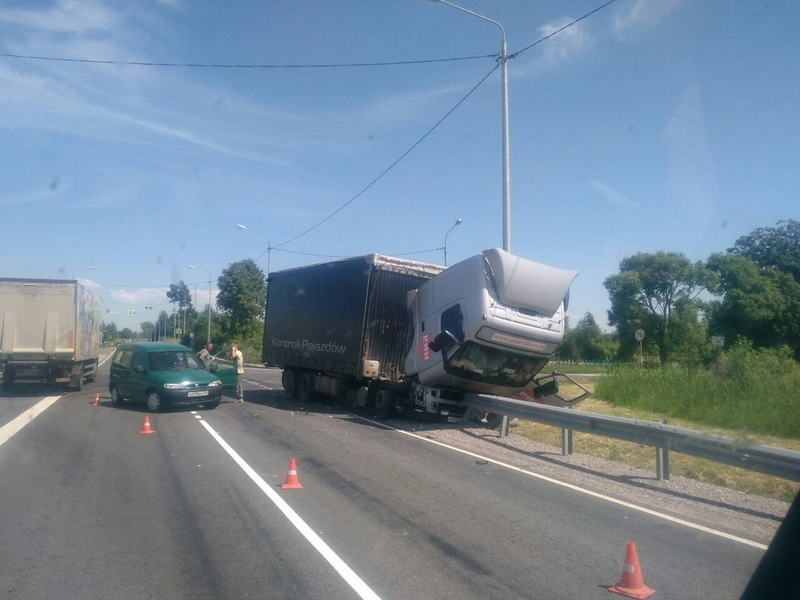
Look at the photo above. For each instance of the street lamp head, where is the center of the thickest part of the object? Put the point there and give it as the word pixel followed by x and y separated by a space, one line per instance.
pixel 240 226
pixel 458 221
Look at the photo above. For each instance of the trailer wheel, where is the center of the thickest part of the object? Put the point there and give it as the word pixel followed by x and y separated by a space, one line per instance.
pixel 289 382
pixel 384 400
pixel 78 386
pixel 304 387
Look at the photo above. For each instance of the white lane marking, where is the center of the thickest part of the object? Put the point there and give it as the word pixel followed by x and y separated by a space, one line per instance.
pixel 353 580
pixel 570 486
pixel 8 430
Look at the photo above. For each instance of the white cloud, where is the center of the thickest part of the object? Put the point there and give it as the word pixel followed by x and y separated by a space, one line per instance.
pixel 642 14
pixel 614 197
pixel 70 16
pixel 566 46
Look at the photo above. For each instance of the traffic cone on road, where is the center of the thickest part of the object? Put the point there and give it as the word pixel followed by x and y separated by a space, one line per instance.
pixel 632 584
pixel 146 427
pixel 96 399
pixel 291 482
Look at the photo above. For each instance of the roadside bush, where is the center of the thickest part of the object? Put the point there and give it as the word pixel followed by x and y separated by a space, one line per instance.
pixel 758 391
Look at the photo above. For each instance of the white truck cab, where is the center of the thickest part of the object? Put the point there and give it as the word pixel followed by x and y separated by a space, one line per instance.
pixel 487 324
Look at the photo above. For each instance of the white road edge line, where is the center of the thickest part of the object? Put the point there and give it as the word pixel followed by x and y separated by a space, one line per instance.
pixel 353 580
pixel 570 486
pixel 8 430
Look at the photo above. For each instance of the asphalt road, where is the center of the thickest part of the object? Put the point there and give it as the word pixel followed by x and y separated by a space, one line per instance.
pixel 92 508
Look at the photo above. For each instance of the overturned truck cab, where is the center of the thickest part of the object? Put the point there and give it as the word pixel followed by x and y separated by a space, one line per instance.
pixel 488 324
pixel 386 334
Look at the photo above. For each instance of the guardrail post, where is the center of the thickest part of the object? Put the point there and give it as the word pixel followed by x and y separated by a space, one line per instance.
pixel 566 442
pixel 662 462
pixel 504 426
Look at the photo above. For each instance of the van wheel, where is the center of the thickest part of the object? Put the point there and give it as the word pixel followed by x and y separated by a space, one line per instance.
pixel 384 400
pixel 116 397
pixel 153 402
pixel 289 382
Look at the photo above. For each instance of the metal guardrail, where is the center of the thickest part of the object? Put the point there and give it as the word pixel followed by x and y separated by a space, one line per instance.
pixel 764 459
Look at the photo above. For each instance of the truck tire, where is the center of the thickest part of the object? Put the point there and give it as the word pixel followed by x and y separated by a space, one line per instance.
pixel 289 382
pixel 384 400
pixel 79 384
pixel 304 387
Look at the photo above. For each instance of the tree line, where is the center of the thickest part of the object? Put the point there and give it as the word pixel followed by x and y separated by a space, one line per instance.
pixel 749 294
pixel 237 314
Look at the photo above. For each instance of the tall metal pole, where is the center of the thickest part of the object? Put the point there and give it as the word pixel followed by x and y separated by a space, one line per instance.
pixel 458 222
pixel 503 59
pixel 208 339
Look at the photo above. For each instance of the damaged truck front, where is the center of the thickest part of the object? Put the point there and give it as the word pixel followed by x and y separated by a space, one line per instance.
pixel 388 334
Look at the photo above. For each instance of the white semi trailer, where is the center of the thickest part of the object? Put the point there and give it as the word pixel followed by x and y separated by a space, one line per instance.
pixel 49 332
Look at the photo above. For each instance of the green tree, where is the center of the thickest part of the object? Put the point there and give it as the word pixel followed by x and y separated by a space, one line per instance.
pixel 179 293
pixel 584 341
pixel 110 332
pixel 761 304
pixel 653 292
pixel 242 297
pixel 126 334
pixel 773 247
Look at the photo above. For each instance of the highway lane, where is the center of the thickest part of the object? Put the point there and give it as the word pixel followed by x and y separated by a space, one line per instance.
pixel 93 508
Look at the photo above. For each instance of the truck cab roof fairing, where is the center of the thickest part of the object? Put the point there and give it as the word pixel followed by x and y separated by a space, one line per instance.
pixel 526 284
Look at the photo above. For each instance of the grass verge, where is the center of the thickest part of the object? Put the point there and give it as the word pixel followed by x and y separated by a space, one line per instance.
pixel 680 464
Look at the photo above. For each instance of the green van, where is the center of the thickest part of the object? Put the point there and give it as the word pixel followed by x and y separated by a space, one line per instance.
pixel 162 375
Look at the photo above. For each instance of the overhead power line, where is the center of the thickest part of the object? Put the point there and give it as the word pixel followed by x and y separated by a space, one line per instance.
pixel 557 31
pixel 394 164
pixel 245 66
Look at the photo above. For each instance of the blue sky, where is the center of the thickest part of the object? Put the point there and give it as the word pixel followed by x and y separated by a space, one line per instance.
pixel 649 125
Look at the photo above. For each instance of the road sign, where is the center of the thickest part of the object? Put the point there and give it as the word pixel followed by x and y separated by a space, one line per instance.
pixel 639 335
pixel 718 341
pixel 178 331
pixel 148 308
pixel 131 312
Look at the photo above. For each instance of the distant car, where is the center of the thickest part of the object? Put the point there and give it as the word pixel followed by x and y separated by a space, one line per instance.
pixel 162 375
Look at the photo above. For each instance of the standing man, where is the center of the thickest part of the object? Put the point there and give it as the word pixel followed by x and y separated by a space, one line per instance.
pixel 205 354
pixel 238 363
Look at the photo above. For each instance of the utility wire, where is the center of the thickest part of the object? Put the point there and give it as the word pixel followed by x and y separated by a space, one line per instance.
pixel 557 31
pixel 390 167
pixel 245 66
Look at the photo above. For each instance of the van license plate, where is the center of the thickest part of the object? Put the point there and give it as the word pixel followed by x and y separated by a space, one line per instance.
pixel 198 393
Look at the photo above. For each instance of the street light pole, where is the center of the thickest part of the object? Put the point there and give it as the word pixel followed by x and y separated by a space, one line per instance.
pixel 208 339
pixel 457 223
pixel 506 154
pixel 82 270
pixel 269 243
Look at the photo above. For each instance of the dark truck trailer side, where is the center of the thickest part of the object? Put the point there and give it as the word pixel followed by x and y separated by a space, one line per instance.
pixel 347 319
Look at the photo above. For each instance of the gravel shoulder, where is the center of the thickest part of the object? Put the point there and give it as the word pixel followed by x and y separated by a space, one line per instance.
pixel 751 517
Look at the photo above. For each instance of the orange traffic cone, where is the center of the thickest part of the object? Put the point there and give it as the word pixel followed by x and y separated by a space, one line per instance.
pixel 96 399
pixel 146 428
pixel 632 584
pixel 291 482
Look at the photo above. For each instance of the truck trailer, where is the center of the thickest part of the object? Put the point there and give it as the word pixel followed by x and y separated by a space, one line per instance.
pixel 49 332
pixel 390 334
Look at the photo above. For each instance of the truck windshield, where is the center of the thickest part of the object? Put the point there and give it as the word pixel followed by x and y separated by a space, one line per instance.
pixel 493 366
pixel 172 361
